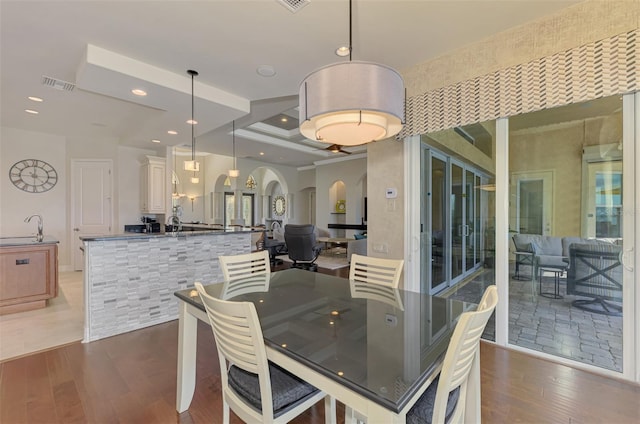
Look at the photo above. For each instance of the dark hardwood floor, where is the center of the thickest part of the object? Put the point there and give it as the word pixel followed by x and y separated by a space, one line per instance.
pixel 131 378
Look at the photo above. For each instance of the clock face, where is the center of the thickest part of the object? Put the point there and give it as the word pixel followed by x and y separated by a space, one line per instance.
pixel 33 176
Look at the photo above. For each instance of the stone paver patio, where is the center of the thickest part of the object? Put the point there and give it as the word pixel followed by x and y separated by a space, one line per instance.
pixel 552 326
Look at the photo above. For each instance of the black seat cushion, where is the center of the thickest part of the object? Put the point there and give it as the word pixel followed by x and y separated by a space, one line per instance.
pixel 422 411
pixel 288 390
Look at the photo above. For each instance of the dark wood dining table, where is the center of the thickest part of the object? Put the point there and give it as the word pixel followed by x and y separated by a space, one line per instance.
pixel 376 355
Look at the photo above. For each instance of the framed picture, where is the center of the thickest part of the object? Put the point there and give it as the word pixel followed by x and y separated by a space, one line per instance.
pixel 341 206
pixel 279 205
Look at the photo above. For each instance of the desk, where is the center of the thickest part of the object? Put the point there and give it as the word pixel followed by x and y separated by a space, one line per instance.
pixel 373 356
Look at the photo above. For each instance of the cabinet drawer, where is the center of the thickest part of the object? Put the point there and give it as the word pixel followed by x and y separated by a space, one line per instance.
pixel 27 274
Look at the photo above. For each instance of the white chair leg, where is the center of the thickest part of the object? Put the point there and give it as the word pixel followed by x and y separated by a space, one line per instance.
pixel 330 410
pixel 351 416
pixel 225 412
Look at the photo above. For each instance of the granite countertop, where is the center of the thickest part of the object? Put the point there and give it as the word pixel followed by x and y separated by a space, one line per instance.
pixel 181 234
pixel 25 241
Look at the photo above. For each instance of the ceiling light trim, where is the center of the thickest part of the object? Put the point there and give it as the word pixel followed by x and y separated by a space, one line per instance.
pixel 250 135
pixel 273 130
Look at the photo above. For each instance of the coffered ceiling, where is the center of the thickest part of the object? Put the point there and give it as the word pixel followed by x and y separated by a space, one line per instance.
pixel 107 48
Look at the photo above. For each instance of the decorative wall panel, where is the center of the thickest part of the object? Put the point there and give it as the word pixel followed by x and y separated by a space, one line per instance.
pixel 595 70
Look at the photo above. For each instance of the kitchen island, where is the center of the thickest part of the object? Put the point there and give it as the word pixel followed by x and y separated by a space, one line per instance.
pixel 129 279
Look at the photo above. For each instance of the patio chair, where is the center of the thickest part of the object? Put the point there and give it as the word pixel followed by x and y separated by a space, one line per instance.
pixel 595 271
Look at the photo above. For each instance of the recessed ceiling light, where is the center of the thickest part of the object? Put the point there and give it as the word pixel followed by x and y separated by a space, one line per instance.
pixel 33 112
pixel 35 99
pixel 172 132
pixel 192 122
pixel 266 70
pixel 155 141
pixel 342 51
pixel 261 153
pixel 284 119
pixel 139 92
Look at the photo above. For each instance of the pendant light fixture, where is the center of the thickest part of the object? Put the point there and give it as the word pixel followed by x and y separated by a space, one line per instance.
pixel 192 165
pixel 351 103
pixel 235 172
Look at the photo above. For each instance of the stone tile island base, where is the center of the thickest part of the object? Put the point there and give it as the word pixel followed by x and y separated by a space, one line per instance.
pixel 130 280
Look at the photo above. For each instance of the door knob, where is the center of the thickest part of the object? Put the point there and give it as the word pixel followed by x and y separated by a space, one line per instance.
pixel 76 229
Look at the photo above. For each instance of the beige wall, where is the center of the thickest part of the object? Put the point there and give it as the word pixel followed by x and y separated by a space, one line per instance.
pixel 577 25
pixel 385 168
pixel 351 172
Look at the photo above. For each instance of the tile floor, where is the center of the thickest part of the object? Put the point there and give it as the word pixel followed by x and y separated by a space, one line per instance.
pixel 552 326
pixel 61 322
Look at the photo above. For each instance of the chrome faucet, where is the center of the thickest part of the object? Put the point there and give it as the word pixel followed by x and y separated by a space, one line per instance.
pixel 40 236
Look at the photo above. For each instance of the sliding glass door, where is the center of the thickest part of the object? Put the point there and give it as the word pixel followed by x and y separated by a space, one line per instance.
pixel 567 174
pixel 452 212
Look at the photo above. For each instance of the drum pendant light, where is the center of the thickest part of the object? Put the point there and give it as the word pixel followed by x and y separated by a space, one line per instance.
pixel 351 103
pixel 235 172
pixel 192 165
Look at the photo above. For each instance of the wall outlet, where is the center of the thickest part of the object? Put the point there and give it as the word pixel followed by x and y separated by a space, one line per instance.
pixel 391 320
pixel 380 247
pixel 391 205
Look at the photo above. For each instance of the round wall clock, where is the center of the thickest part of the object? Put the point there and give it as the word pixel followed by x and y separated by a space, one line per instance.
pixel 33 176
pixel 279 205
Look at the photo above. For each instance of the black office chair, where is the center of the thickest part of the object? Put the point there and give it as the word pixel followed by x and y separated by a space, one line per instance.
pixel 301 245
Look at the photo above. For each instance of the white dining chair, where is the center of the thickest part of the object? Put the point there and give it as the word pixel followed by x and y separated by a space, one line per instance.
pixel 256 390
pixel 446 399
pixel 366 269
pixel 241 266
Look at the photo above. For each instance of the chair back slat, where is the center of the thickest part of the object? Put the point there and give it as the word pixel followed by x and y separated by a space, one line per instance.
pixel 244 266
pixel 253 284
pixel 366 269
pixel 378 292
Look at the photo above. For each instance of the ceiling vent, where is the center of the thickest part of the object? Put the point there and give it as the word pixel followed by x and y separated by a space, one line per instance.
pixel 294 5
pixel 58 84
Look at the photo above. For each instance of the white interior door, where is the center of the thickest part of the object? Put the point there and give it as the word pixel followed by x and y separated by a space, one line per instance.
pixel 91 195
pixel 532 202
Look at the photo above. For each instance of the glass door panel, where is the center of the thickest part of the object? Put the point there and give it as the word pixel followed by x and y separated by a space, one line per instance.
pixel 566 198
pixel 439 233
pixel 457 230
pixel 468 229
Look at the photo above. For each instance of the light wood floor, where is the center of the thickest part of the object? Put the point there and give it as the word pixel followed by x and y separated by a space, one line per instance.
pixel 61 322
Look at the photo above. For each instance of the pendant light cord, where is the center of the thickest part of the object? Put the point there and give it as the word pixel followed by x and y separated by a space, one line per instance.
pixel 193 122
pixel 234 143
pixel 350 30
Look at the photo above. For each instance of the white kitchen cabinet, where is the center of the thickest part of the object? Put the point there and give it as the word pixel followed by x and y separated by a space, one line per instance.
pixel 152 189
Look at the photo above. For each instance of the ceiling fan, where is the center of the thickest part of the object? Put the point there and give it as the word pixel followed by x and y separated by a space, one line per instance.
pixel 336 148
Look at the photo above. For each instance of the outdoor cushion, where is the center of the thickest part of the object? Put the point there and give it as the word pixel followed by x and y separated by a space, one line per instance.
pixel 287 389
